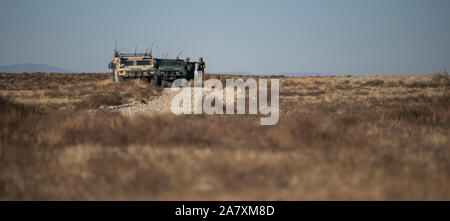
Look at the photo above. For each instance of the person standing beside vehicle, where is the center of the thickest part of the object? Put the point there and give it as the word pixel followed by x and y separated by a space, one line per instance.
pixel 201 65
pixel 190 69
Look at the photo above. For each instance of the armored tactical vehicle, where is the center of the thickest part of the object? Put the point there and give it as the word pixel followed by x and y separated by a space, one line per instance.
pixel 159 71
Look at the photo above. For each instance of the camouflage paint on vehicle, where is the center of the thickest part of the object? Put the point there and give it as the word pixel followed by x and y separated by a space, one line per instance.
pixel 143 65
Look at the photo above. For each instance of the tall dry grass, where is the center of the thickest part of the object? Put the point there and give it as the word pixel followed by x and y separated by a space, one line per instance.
pixel 389 143
pixel 74 91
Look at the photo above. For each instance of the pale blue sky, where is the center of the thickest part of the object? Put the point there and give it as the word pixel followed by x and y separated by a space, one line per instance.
pixel 334 36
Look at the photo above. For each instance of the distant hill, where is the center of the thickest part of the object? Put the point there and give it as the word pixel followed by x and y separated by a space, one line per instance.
pixel 31 68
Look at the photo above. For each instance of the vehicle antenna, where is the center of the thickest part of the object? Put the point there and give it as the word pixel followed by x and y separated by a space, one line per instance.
pixel 116 51
pixel 179 54
pixel 151 48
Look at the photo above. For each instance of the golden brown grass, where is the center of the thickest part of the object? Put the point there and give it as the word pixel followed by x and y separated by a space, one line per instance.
pixel 339 138
pixel 73 91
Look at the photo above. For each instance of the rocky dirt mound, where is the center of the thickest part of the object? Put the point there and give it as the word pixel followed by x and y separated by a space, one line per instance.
pixel 157 104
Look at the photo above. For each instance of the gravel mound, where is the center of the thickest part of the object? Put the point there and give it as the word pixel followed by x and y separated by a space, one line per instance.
pixel 151 106
pixel 159 104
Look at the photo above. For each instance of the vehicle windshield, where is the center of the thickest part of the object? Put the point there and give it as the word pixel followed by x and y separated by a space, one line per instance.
pixel 126 63
pixel 165 63
pixel 143 62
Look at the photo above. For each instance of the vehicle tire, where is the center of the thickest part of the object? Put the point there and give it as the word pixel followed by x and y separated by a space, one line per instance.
pixel 121 79
pixel 159 82
pixel 154 80
pixel 166 83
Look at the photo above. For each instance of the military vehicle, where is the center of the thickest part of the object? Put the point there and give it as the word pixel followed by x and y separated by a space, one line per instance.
pixel 159 71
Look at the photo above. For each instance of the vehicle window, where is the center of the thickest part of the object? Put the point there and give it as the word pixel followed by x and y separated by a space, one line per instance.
pixel 176 64
pixel 143 62
pixel 126 63
pixel 162 63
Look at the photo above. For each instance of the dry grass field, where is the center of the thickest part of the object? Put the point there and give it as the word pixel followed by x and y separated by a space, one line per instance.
pixel 338 138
